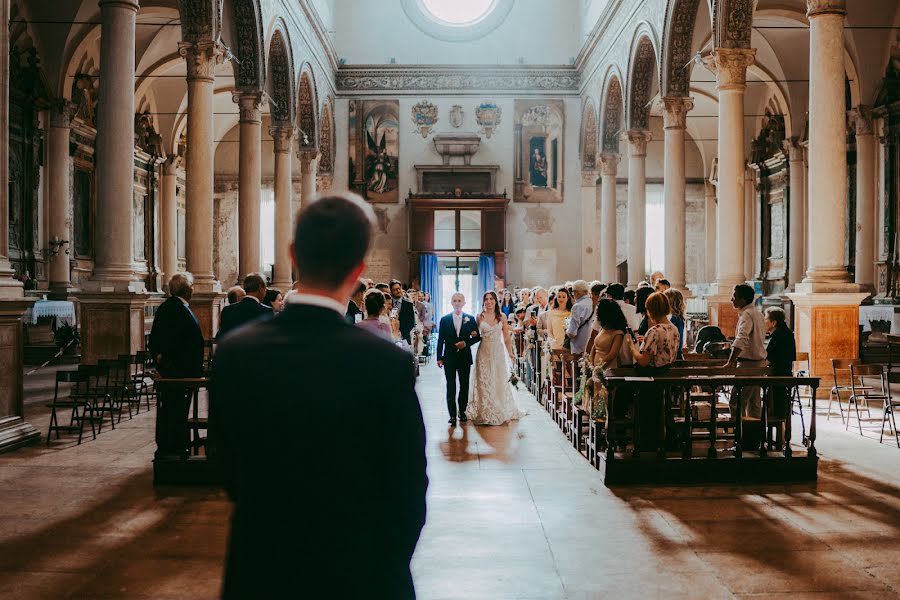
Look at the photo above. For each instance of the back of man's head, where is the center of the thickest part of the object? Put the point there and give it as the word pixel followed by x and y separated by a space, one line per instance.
pixel 235 293
pixel 616 291
pixel 361 288
pixel 745 293
pixel 255 284
pixel 181 285
pixel 331 239
pixel 581 287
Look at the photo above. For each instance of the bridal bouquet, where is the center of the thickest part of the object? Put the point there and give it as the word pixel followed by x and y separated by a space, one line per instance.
pixel 513 378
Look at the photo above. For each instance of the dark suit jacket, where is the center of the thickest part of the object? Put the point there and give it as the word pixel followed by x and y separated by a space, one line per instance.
pixel 176 335
pixel 446 351
pixel 235 315
pixel 352 311
pixel 782 351
pixel 407 318
pixel 315 517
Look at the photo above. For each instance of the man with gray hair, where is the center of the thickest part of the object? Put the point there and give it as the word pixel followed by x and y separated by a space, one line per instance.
pixel 235 293
pixel 579 330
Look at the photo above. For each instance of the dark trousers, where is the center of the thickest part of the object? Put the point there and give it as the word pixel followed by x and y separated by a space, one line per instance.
pixel 172 409
pixel 452 372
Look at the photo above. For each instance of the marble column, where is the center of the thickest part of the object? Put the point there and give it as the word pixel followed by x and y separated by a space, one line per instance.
pixel 590 260
pixel 866 183
pixel 249 182
pixel 796 213
pixel 282 270
pixel 827 147
pixel 710 190
pixel 114 245
pixel 168 212
pixel 637 206
pixel 674 123
pixel 308 171
pixel 609 164
pixel 201 58
pixel 59 217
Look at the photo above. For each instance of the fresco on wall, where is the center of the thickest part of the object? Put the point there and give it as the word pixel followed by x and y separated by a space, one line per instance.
pixel 539 150
pixel 374 130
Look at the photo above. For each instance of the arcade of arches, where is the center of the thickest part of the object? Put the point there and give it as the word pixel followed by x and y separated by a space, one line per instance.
pixel 715 141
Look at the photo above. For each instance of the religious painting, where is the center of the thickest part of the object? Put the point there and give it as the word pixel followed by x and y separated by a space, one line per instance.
pixel 374 132
pixel 538 160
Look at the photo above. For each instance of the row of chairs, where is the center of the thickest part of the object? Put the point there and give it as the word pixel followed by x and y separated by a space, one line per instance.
pixel 850 382
pixel 97 392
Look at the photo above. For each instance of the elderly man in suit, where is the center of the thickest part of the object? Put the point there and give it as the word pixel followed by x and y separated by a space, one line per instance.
pixel 457 333
pixel 305 519
pixel 176 343
pixel 249 308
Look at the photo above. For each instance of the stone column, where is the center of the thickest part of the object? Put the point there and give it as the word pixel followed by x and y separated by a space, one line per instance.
pixel 308 170
pixel 168 212
pixel 114 248
pixel 609 164
pixel 710 190
pixel 866 183
pixel 201 58
pixel 59 219
pixel 674 122
pixel 590 261
pixel 9 287
pixel 282 270
pixel 637 206
pixel 249 182
pixel 796 213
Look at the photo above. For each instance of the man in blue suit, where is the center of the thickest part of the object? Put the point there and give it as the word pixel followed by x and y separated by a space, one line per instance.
pixel 457 333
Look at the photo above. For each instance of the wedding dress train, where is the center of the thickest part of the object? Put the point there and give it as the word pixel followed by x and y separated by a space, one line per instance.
pixel 492 400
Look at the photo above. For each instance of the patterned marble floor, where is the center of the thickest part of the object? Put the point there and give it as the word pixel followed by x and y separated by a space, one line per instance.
pixel 514 513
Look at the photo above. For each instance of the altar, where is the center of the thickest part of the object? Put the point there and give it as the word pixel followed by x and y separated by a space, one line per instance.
pixel 62 310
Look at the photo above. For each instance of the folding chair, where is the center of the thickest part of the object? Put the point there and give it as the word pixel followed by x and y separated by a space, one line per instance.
pixel 840 370
pixel 76 402
pixel 861 394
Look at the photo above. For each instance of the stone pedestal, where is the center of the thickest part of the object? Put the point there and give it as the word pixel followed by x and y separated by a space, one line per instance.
pixel 722 313
pixel 208 308
pixel 827 326
pixel 111 324
pixel 14 430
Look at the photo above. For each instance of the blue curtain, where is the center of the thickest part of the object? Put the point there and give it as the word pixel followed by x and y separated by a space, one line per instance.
pixel 485 278
pixel 430 280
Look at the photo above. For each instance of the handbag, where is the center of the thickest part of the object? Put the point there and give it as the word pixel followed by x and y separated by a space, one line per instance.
pixel 567 342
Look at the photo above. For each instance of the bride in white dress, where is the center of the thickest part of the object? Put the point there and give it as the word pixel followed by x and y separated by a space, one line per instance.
pixel 493 401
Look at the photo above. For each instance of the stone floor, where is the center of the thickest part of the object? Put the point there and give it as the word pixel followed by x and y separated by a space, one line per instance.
pixel 514 512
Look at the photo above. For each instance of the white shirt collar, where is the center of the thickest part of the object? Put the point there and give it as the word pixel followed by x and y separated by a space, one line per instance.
pixel 185 302
pixel 320 301
pixel 252 298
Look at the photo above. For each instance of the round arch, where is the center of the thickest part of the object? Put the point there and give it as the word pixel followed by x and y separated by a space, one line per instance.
pixel 307 101
pixel 247 27
pixel 326 141
pixel 611 111
pixel 678 34
pixel 588 140
pixel 280 80
pixel 642 66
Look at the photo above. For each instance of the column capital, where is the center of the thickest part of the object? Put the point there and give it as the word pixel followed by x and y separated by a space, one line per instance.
pixel 863 120
pixel 129 4
pixel 675 110
pixel 201 58
pixel 637 142
pixel 815 8
pixel 61 114
pixel 609 164
pixel 248 104
pixel 306 160
pixel 589 178
pixel 171 165
pixel 282 135
pixel 793 149
pixel 731 67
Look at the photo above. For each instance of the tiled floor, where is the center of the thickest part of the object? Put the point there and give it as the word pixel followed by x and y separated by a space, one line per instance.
pixel 514 512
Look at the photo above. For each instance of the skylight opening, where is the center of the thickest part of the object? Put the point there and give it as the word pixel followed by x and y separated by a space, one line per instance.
pixel 459 12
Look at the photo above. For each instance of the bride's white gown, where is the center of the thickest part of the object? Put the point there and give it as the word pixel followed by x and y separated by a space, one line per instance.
pixel 492 399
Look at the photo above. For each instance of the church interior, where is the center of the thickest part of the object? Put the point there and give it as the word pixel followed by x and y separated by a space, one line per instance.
pixel 503 145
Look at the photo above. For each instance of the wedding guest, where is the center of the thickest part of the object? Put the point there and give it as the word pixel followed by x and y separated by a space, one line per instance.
pixel 748 348
pixel 385 289
pixel 579 327
pixel 404 309
pixel 628 297
pixel 341 523
pixel 374 303
pixel 357 304
pixel 640 307
pixel 662 285
pixel 616 291
pixel 235 293
pixel 369 283
pixel 781 353
pixel 676 303
pixel 274 300
pixel 610 342
pixel 249 308
pixel 597 290
pixel 507 305
pixel 562 310
pixel 427 320
pixel 660 345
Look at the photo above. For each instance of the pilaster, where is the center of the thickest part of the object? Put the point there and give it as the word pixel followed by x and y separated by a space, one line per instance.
pixel 14 430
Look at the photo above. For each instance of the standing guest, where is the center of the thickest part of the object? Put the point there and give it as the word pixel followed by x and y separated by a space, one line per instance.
pixel 235 293
pixel 427 320
pixel 628 297
pixel 640 307
pixel 676 303
pixel 249 308
pixel 374 302
pixel 302 517
pixel 616 291
pixel 597 290
pixel 781 353
pixel 274 300
pixel 507 305
pixel 562 310
pixel 403 308
pixel 356 305
pixel 662 285
pixel 457 333
pixel 579 328
pixel 655 276
pixel 748 348
pixel 385 289
pixel 176 343
pixel 660 345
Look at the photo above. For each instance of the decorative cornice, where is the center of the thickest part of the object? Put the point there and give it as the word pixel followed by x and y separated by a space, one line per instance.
pixel 480 79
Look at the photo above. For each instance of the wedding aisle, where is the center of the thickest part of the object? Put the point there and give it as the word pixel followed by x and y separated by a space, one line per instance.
pixel 514 512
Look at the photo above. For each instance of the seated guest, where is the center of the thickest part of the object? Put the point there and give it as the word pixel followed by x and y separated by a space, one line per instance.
pixel 235 293
pixel 610 341
pixel 640 302
pixel 676 303
pixel 356 304
pixel 274 299
pixel 561 311
pixel 660 345
pixel 374 302
pixel 249 308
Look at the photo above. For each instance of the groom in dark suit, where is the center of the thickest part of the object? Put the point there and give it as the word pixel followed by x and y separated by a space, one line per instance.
pixel 457 333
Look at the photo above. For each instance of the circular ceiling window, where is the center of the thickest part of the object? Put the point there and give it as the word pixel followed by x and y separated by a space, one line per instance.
pixel 457 20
